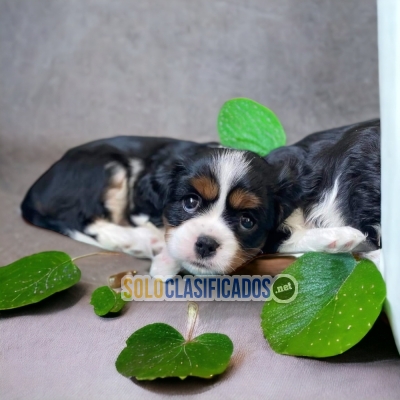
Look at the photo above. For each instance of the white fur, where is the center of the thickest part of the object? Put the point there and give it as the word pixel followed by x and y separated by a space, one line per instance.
pixel 183 238
pixel 141 242
pixel 163 265
pixel 228 167
pixel 295 222
pixel 331 240
pixel 81 237
pixel 376 257
pixel 146 241
pixel 322 230
pixel 140 219
pixel 326 214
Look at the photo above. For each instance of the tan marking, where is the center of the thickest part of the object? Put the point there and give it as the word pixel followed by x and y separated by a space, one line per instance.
pixel 241 257
pixel 240 199
pixel 168 232
pixel 116 195
pixel 207 187
pixel 168 229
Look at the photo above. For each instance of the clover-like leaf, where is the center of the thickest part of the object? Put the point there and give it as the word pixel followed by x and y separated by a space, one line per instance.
pixel 247 125
pixel 160 351
pixel 105 300
pixel 337 303
pixel 35 277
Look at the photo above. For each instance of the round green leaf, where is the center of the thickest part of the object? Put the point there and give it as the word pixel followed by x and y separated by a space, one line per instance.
pixel 160 351
pixel 119 304
pixel 247 125
pixel 33 278
pixel 105 300
pixel 338 301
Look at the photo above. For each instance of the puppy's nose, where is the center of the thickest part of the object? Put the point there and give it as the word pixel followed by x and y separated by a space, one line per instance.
pixel 206 246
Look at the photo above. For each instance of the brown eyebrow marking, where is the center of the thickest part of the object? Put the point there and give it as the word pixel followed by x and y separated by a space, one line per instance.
pixel 207 187
pixel 240 199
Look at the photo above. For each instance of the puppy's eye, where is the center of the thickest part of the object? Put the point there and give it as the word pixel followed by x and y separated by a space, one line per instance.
pixel 247 222
pixel 191 203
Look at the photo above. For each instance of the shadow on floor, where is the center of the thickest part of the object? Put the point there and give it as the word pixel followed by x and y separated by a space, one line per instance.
pixel 377 345
pixel 176 386
pixel 55 303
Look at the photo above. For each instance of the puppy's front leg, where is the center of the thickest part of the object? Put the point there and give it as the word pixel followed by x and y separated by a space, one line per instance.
pixel 143 242
pixel 163 264
pixel 330 240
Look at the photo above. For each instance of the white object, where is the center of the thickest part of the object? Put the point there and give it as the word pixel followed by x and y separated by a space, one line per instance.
pixel 389 82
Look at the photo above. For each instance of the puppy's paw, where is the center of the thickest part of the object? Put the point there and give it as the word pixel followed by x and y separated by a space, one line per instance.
pixel 330 240
pixel 164 265
pixel 143 242
pixel 341 240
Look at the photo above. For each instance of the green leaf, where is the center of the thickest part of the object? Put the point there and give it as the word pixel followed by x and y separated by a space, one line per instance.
pixel 105 300
pixel 160 351
pixel 33 278
pixel 337 303
pixel 247 125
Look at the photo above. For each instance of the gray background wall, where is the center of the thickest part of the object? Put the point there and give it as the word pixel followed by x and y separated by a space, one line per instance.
pixel 73 71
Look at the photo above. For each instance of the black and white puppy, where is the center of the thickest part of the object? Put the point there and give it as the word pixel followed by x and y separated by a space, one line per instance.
pixel 209 209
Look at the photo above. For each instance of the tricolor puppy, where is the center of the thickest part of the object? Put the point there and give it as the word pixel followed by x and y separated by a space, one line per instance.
pixel 209 209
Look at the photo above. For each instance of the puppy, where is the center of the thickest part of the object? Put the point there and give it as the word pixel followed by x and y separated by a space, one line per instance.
pixel 209 209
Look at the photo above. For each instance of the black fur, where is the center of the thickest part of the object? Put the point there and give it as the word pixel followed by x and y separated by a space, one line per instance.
pixel 305 170
pixel 69 196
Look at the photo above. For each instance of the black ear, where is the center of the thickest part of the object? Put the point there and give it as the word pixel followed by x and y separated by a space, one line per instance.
pixel 152 192
pixel 286 190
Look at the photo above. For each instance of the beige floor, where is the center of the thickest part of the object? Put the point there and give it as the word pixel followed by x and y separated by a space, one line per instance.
pixel 59 349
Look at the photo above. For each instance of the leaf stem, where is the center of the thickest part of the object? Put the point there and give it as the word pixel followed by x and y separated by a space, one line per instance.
pixel 101 253
pixel 193 312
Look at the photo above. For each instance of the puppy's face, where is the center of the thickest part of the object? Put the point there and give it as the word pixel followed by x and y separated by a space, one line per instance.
pixel 218 212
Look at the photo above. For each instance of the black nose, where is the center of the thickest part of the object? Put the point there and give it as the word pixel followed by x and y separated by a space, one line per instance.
pixel 206 246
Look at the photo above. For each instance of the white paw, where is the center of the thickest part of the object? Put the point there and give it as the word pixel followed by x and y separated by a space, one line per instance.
pixel 143 242
pixel 340 240
pixel 164 266
pixel 330 240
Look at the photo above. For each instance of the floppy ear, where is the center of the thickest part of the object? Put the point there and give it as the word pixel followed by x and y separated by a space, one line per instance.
pixel 284 183
pixel 285 190
pixel 285 196
pixel 153 189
